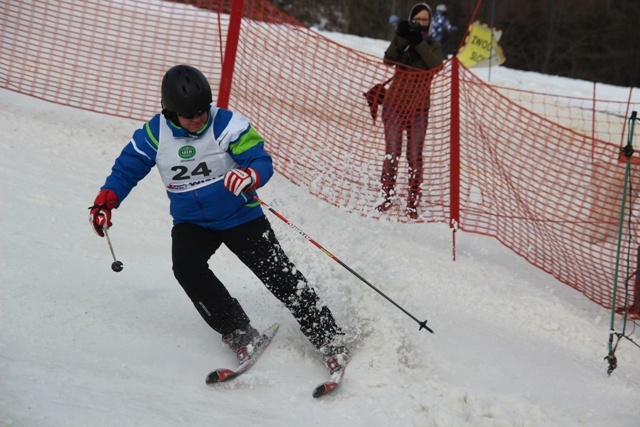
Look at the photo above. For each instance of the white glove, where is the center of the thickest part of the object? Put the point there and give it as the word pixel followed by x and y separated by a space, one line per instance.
pixel 238 181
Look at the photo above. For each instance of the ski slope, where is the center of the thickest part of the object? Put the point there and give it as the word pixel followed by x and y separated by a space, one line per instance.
pixel 81 345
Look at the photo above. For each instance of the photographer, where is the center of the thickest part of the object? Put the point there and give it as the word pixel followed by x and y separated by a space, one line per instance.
pixel 406 104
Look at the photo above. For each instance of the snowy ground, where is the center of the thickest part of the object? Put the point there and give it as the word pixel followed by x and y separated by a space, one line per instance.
pixel 81 345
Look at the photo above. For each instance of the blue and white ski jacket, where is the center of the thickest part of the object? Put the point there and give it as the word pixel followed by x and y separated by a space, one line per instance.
pixel 192 167
pixel 440 23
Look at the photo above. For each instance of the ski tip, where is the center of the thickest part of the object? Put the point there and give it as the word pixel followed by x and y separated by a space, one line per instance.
pixel 325 388
pixel 212 378
pixel 218 376
pixel 271 331
pixel 319 391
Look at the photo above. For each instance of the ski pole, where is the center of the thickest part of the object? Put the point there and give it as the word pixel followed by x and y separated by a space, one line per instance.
pixel 333 257
pixel 116 265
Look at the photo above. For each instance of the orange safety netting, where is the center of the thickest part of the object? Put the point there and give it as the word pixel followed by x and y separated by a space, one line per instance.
pixel 539 172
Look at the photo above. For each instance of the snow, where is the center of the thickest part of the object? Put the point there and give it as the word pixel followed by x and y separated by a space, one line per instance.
pixel 84 346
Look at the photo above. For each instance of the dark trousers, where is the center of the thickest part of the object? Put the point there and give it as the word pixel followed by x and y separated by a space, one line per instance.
pixel 255 244
pixel 396 123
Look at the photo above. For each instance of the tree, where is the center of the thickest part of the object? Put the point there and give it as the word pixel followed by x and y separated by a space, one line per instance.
pixel 596 40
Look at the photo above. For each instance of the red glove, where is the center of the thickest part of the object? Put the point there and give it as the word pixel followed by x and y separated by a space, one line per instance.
pixel 100 215
pixel 240 180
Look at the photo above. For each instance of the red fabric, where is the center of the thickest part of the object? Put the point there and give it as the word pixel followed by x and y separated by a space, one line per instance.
pixel 254 177
pixel 107 199
pixel 100 214
pixel 374 97
pixel 239 181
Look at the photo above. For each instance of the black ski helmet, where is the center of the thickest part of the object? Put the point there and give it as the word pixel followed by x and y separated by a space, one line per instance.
pixel 185 91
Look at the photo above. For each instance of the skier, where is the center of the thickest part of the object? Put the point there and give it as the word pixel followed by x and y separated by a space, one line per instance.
pixel 211 161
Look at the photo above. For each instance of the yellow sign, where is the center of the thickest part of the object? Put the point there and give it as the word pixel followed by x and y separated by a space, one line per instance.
pixel 481 47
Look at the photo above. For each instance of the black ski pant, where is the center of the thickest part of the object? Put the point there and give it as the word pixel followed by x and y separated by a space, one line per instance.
pixel 255 244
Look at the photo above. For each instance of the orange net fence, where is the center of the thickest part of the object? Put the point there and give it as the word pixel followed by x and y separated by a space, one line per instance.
pixel 539 172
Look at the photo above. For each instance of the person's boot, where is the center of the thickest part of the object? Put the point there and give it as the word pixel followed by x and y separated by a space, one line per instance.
pixel 388 196
pixel 242 341
pixel 335 357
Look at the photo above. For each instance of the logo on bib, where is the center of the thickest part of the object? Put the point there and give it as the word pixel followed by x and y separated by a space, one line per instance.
pixel 187 152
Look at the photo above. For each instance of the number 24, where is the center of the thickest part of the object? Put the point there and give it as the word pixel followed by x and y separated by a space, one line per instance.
pixel 183 171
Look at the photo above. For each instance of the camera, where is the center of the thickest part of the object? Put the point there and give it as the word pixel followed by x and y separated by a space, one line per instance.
pixel 414 27
pixel 408 28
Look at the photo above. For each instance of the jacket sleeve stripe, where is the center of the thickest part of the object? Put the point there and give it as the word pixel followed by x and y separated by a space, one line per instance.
pixel 139 151
pixel 152 137
pixel 247 141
